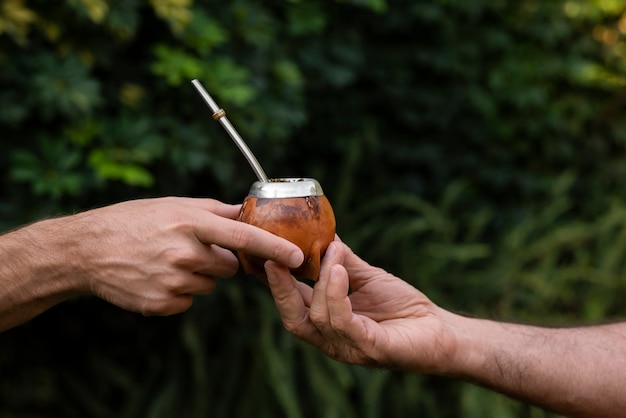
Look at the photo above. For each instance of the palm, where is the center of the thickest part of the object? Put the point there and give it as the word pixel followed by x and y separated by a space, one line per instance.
pixel 382 296
pixel 398 321
pixel 382 322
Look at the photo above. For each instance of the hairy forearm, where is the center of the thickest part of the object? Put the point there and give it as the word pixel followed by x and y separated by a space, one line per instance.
pixel 579 372
pixel 38 269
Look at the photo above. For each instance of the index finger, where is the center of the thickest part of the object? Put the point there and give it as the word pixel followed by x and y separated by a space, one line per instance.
pixel 225 210
pixel 319 305
pixel 291 298
pixel 251 240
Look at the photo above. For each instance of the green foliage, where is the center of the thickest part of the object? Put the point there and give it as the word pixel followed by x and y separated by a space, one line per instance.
pixel 52 173
pixel 475 149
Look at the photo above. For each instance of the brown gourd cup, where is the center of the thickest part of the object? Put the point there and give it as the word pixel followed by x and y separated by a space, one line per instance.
pixel 292 208
pixel 295 209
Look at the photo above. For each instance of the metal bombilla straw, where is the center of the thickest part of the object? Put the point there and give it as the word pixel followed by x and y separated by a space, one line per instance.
pixel 220 115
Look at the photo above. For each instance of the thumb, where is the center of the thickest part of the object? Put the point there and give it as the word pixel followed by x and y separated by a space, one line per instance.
pixel 353 262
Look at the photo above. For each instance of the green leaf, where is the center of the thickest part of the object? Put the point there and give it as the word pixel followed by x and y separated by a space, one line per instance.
pixel 108 168
pixel 175 65
pixel 63 86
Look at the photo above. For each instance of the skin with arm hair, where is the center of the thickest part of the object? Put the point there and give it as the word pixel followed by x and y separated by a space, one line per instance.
pixel 382 321
pixel 149 256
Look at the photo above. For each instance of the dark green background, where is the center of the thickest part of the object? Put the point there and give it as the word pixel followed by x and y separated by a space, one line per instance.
pixel 475 149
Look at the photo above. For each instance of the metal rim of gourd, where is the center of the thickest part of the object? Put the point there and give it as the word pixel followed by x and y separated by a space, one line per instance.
pixel 285 188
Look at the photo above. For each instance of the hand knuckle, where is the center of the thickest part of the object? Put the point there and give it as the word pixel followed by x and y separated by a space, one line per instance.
pixel 148 308
pixel 291 326
pixel 175 284
pixel 276 252
pixel 242 238
pixel 317 318
pixel 166 306
pixel 295 326
pixel 180 256
pixel 338 324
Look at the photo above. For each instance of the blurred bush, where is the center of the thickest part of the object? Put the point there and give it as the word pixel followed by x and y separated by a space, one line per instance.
pixel 475 149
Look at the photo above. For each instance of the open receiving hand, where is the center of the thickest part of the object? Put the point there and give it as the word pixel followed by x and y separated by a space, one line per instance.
pixel 360 314
pixel 363 315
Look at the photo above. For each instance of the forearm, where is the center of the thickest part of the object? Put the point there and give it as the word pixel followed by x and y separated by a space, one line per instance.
pixel 579 372
pixel 38 269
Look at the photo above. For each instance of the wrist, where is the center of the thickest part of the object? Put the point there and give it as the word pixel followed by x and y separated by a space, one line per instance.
pixel 58 255
pixel 472 340
pixel 499 355
pixel 37 270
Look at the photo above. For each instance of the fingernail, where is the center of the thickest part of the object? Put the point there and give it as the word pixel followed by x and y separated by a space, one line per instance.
pixel 296 259
pixel 269 270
